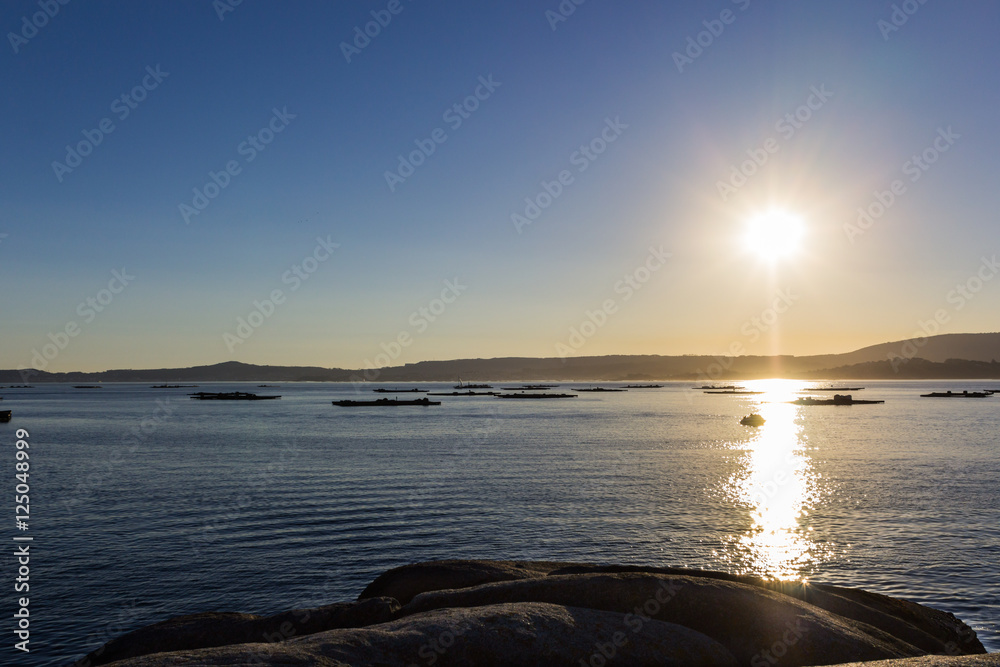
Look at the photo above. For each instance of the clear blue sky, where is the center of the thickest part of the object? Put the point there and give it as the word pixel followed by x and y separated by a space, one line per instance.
pixel 609 67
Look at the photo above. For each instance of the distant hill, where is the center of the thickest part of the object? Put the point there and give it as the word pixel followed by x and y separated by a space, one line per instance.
pixel 948 355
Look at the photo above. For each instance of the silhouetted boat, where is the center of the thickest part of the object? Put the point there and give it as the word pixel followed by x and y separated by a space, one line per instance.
pixel 466 393
pixel 752 420
pixel 950 394
pixel 735 392
pixel 523 395
pixel 600 389
pixel 386 402
pixel 229 396
pixel 644 386
pixel 5 416
pixel 400 391
pixel 838 399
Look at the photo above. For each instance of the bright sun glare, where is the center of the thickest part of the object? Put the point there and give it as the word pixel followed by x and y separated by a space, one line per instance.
pixel 774 235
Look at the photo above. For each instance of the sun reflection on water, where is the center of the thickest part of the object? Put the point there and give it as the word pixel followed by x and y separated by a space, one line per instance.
pixel 777 482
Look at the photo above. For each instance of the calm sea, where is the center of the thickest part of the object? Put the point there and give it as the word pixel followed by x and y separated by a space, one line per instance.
pixel 146 504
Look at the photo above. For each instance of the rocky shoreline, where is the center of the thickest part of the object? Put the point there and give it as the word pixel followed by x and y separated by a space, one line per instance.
pixel 544 613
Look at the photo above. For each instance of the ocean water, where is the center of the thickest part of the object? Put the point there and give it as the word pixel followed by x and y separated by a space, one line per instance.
pixel 146 504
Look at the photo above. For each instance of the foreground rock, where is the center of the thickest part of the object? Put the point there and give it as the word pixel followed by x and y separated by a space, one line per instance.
pixel 533 613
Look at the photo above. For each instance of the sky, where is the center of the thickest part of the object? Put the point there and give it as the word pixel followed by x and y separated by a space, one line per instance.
pixel 379 183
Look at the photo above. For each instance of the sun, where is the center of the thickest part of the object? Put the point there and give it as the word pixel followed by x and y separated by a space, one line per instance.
pixel 774 235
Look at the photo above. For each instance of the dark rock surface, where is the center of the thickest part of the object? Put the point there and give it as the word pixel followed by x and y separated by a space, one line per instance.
pixel 538 613
pixel 212 629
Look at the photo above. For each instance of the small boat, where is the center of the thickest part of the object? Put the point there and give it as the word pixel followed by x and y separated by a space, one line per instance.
pixel 950 394
pixel 229 396
pixel 731 392
pixel 400 391
pixel 524 395
pixel 466 393
pixel 386 402
pixel 600 389
pixel 838 399
pixel 752 420
pixel 4 416
pixel 644 386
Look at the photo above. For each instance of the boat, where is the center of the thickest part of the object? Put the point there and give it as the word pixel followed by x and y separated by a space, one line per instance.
pixel 400 391
pixel 600 389
pixel 524 395
pixel 644 386
pixel 752 420
pixel 838 399
pixel 466 393
pixel 741 392
pixel 4 416
pixel 229 396
pixel 964 394
pixel 386 402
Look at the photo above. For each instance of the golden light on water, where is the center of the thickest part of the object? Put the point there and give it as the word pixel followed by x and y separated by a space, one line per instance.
pixel 777 483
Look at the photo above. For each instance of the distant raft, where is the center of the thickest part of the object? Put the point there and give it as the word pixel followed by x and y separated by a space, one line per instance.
pixel 730 392
pixel 229 396
pixel 383 402
pixel 600 389
pixel 964 394
pixel 465 393
pixel 380 390
pixel 752 420
pixel 838 399
pixel 644 386
pixel 524 395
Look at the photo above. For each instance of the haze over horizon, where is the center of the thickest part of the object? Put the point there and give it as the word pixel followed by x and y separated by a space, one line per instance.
pixel 647 155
